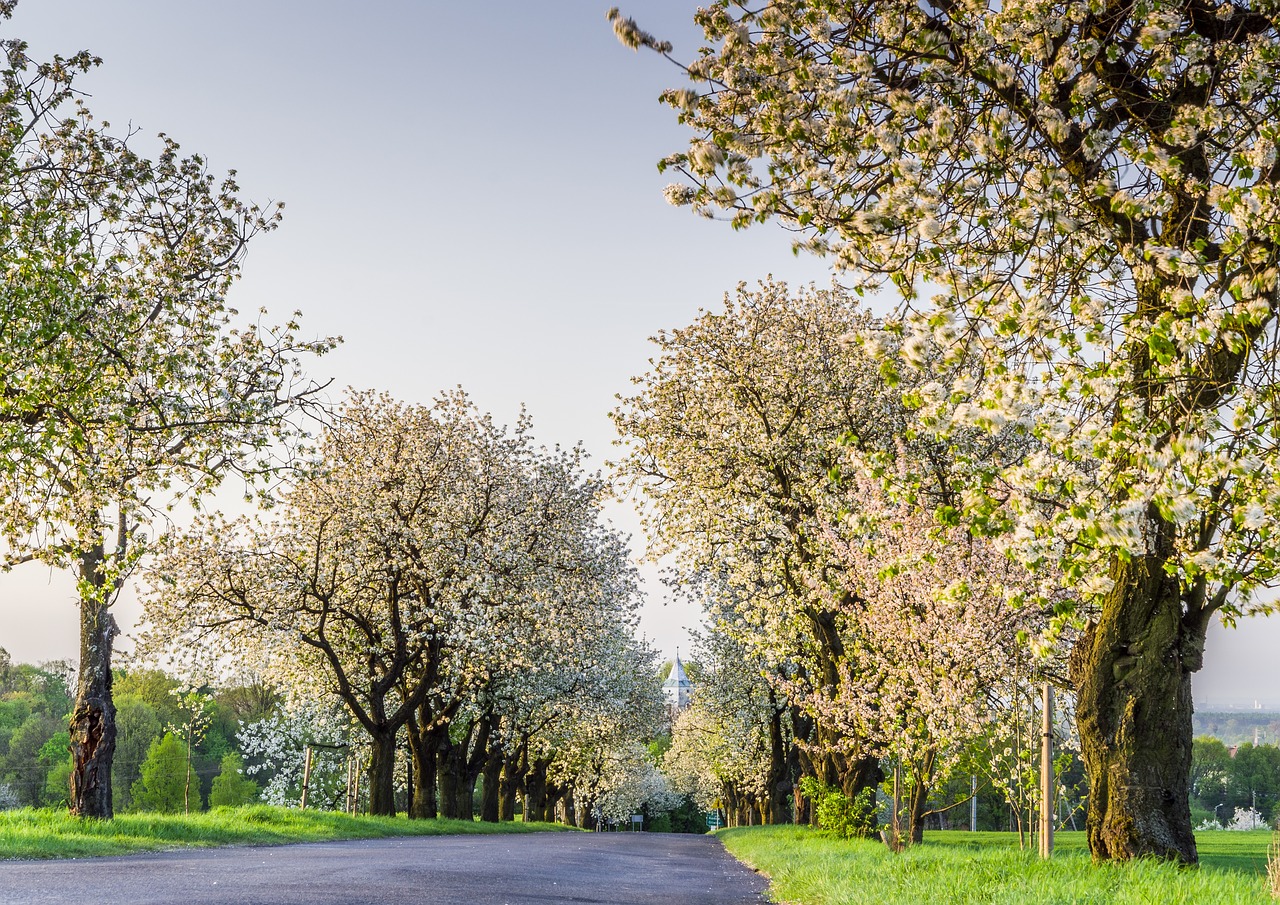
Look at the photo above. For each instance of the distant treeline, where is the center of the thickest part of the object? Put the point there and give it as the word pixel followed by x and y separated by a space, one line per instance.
pixel 150 771
pixel 1235 727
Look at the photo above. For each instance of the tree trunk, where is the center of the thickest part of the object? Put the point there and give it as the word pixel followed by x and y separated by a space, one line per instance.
pixel 93 717
pixel 473 755
pixel 535 790
pixel 917 801
pixel 778 780
pixel 1132 672
pixel 424 802
pixel 489 808
pixel 552 805
pixel 570 809
pixel 795 772
pixel 460 764
pixel 806 813
pixel 382 774
pixel 510 785
pixel 450 769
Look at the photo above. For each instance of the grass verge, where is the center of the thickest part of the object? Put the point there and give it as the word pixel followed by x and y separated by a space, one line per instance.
pixel 971 868
pixel 31 833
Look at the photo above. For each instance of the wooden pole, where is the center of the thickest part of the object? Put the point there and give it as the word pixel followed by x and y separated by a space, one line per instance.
pixel 306 776
pixel 351 801
pixel 897 805
pixel 1046 773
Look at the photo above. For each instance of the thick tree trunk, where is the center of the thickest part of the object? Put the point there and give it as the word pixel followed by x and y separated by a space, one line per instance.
pixel 917 801
pixel 473 756
pixel 93 717
pixel 535 790
pixel 1132 672
pixel 551 805
pixel 424 803
pixel 778 780
pixel 382 774
pixel 460 764
pixel 570 809
pixel 510 786
pixel 489 794
pixel 806 813
pixel 450 771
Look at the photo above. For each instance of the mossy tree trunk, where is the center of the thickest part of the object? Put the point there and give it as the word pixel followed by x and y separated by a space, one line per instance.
pixel 1132 672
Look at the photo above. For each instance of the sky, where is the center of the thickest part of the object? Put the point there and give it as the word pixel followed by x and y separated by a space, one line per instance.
pixel 472 199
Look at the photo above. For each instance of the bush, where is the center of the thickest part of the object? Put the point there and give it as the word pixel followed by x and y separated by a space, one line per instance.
pixel 164 777
pixel 838 814
pixel 231 788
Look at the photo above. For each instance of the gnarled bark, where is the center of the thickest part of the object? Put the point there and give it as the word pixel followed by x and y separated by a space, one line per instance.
pixel 1132 672
pixel 93 717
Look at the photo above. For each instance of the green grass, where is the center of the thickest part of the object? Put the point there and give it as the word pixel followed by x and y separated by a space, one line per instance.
pixel 53 834
pixel 971 868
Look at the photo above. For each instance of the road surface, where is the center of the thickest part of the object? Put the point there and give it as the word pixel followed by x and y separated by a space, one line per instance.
pixel 604 868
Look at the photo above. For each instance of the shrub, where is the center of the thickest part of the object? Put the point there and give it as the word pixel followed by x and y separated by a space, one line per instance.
pixel 838 814
pixel 231 788
pixel 164 777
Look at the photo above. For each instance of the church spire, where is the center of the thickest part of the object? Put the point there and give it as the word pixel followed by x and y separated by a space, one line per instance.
pixel 677 688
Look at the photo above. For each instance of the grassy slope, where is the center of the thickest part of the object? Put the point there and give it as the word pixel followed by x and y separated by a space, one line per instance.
pixel 52 834
pixel 962 868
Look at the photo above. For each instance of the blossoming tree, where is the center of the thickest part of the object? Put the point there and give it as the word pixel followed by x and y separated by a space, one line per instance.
pixel 127 382
pixel 1088 192
pixel 934 633
pixel 732 439
pixel 432 560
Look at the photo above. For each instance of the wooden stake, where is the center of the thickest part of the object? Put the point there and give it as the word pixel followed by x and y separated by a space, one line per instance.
pixel 306 777
pixel 1046 774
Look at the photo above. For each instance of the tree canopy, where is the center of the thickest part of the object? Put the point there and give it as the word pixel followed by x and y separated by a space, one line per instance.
pixel 1083 199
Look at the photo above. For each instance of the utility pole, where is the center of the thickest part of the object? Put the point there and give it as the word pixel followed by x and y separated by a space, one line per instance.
pixel 1046 774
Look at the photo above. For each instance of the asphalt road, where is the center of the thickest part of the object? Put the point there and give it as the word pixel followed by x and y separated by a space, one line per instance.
pixel 605 868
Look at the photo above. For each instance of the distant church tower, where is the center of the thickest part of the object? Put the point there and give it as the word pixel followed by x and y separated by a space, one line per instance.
pixel 677 688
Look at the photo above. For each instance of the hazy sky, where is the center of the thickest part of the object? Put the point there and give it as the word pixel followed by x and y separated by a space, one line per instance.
pixel 471 199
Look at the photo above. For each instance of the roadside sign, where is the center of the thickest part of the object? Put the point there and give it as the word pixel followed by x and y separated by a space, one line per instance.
pixel 713 819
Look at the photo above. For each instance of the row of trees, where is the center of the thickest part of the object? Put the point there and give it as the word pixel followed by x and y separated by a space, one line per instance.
pixel 445 581
pixel 854 621
pixel 435 584
pixel 1075 206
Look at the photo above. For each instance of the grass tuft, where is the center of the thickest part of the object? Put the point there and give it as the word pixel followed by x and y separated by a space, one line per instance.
pixel 31 834
pixel 1273 868
pixel 988 869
